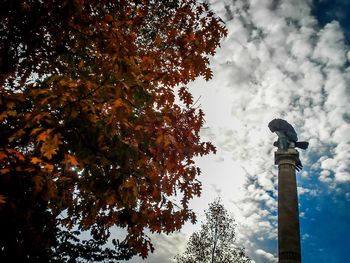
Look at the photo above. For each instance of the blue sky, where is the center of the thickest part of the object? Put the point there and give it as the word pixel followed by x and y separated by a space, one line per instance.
pixel 328 226
pixel 327 10
pixel 287 59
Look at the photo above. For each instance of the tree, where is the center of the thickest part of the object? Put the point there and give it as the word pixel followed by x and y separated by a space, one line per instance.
pixel 97 126
pixel 215 241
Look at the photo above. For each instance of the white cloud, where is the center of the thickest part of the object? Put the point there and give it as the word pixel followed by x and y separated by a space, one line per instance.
pixel 269 79
pixel 167 246
pixel 325 176
pixel 330 49
pixel 307 191
pixel 266 255
pixel 305 236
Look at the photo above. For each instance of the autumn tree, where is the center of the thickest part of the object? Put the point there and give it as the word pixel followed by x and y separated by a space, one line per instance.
pixel 97 126
pixel 215 241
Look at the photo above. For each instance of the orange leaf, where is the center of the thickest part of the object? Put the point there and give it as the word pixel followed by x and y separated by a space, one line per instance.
pixel 68 82
pixel 2 155
pixel 35 131
pixel 50 144
pixel 118 103
pixel 158 40
pixel 111 199
pixel 42 136
pixel 167 119
pixel 17 135
pixel 4 171
pixel 108 18
pixel 71 159
pixel 2 199
pixel 48 151
pixel 10 104
pixel 7 113
pixel 81 64
pixel 35 160
pixel 39 182
pixel 49 167
pixel 160 138
pixel 19 156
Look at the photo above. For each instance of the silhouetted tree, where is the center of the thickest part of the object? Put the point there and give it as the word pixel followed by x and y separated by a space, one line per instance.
pixel 215 241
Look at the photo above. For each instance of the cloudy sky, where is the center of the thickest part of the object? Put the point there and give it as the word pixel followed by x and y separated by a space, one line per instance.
pixel 288 59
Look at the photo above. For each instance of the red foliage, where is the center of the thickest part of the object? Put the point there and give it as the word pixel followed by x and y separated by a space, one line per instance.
pixel 88 113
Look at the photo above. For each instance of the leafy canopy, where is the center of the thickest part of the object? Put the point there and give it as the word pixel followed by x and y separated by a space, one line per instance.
pixel 97 126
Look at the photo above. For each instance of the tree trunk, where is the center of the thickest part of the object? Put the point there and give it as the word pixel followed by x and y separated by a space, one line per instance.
pixel 214 245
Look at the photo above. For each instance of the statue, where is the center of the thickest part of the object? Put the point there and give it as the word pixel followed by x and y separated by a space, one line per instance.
pixel 287 137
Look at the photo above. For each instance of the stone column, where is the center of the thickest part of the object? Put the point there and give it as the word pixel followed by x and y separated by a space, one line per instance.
pixel 288 212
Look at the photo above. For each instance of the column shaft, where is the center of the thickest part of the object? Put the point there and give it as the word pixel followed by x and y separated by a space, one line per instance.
pixel 288 212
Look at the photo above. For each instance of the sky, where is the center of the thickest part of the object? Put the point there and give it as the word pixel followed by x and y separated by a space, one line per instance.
pixel 285 59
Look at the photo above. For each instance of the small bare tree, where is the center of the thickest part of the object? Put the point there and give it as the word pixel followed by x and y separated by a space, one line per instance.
pixel 215 241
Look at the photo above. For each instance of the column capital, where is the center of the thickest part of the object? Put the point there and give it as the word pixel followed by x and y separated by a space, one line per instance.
pixel 289 156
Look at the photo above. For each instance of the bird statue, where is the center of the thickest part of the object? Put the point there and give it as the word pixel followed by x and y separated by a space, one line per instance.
pixel 287 137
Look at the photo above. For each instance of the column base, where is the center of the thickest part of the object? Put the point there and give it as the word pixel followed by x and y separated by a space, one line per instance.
pixel 289 257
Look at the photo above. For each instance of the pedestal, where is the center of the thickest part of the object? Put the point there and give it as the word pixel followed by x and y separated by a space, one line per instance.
pixel 288 212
